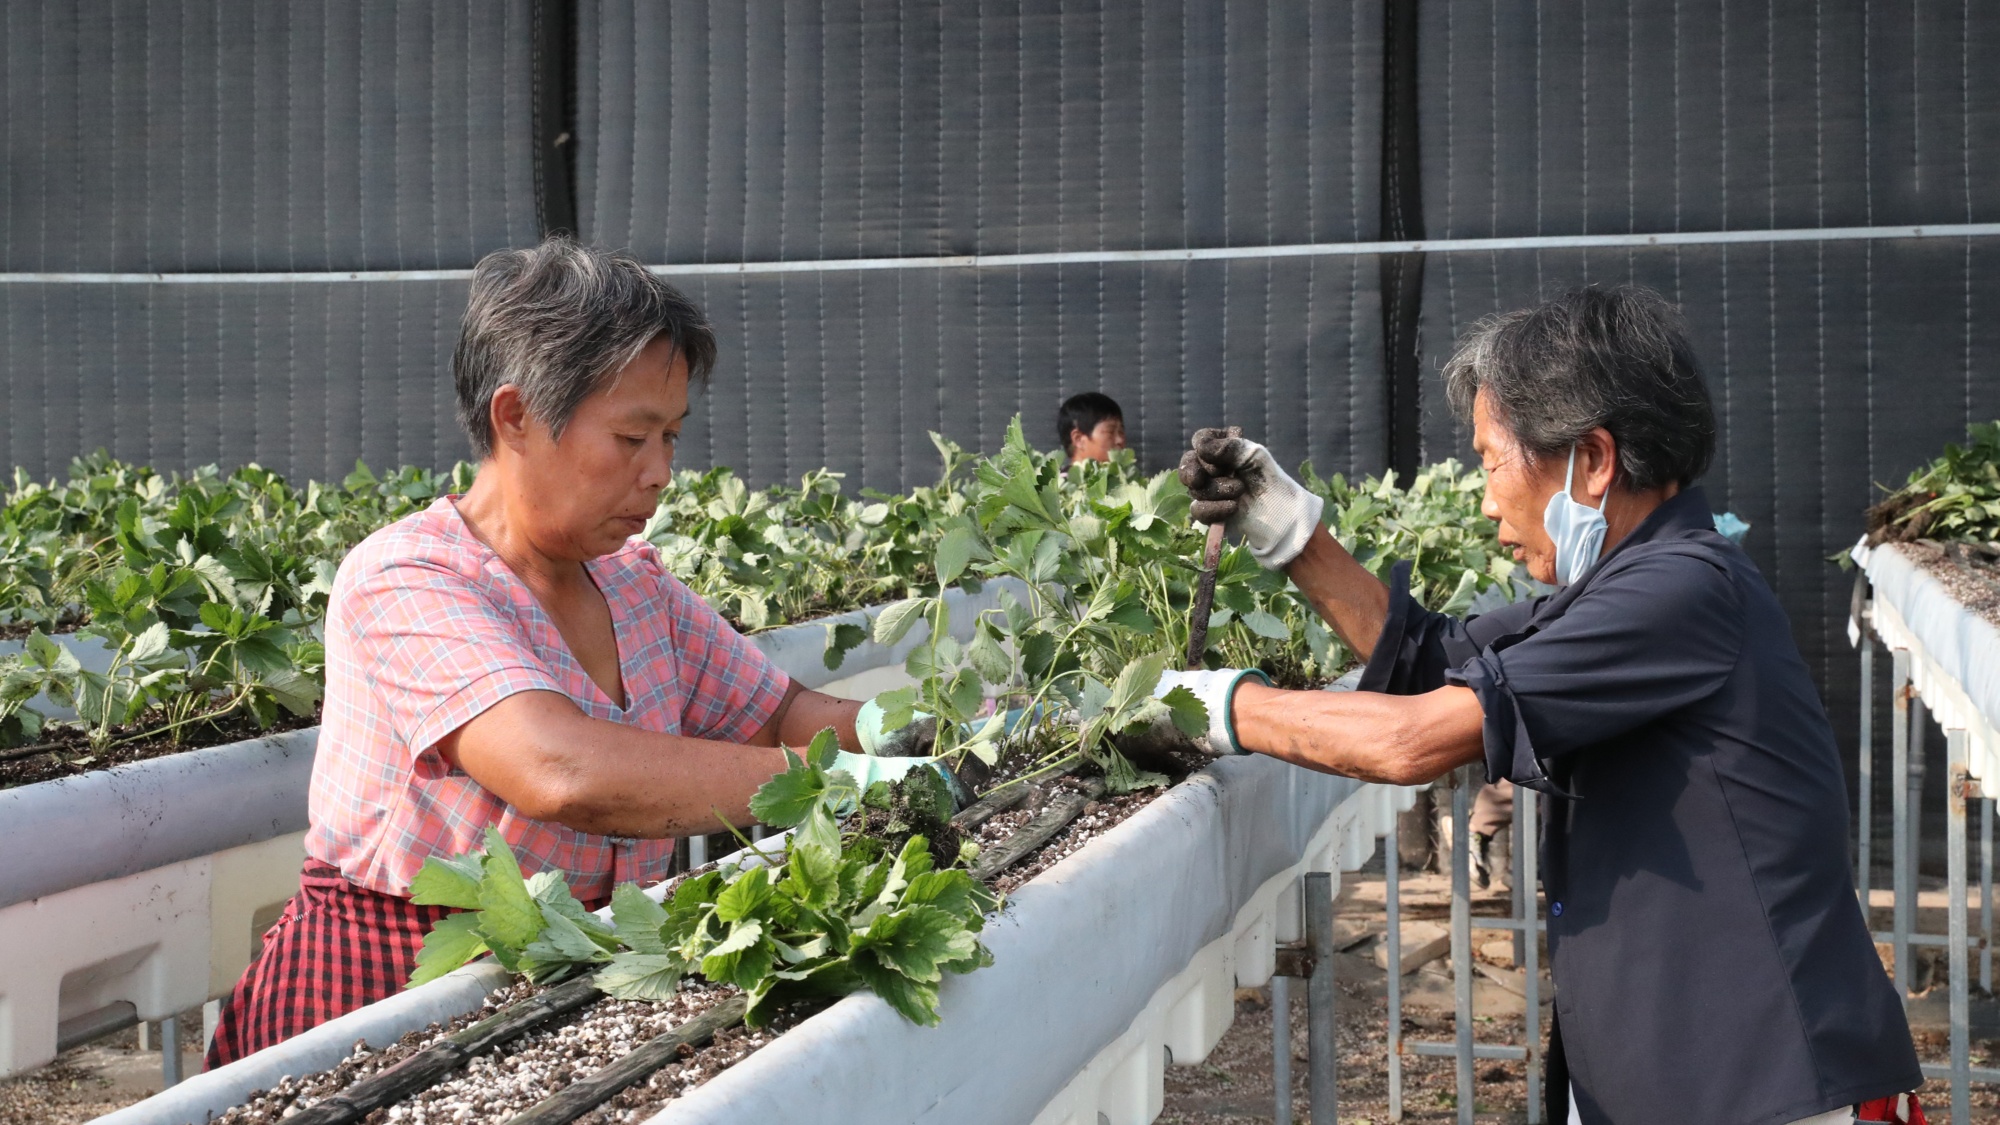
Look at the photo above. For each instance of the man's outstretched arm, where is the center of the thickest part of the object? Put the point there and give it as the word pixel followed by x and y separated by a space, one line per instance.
pixel 1399 739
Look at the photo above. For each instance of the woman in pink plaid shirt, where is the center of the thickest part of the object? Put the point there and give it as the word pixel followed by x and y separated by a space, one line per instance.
pixel 517 657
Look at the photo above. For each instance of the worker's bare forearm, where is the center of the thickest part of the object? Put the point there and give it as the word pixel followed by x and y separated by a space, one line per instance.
pixel 1353 602
pixel 1403 740
pixel 803 714
pixel 549 760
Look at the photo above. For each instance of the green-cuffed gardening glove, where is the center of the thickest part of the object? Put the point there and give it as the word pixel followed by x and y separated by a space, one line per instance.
pixel 1216 690
pixel 913 741
pixel 888 755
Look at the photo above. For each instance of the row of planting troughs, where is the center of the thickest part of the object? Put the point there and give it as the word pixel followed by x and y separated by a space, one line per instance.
pixel 154 615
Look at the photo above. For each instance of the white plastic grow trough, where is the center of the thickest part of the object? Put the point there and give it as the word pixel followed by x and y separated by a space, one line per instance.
pixel 1117 959
pixel 144 884
pixel 139 884
pixel 1954 653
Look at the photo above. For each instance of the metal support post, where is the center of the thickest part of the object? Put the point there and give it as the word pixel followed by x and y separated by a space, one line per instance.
pixel 1322 1045
pixel 1461 937
pixel 1524 892
pixel 1281 1050
pixel 1525 802
pixel 170 1051
pixel 1986 894
pixel 1899 809
pixel 1865 815
pixel 1957 784
pixel 1919 732
pixel 1392 880
pixel 697 851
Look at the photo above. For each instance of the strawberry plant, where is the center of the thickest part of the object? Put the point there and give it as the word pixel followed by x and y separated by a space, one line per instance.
pixel 831 914
pixel 1955 497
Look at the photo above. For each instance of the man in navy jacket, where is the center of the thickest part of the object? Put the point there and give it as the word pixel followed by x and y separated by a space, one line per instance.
pixel 1710 961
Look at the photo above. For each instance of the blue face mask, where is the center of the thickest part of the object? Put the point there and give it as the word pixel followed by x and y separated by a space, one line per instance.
pixel 1577 531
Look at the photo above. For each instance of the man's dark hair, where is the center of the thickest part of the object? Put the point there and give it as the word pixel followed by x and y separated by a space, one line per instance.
pixel 560 321
pixel 1617 358
pixel 1084 412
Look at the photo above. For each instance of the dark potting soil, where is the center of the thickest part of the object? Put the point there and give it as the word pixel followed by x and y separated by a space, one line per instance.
pixel 65 751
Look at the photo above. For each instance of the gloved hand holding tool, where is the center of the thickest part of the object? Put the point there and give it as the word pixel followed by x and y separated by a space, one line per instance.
pixel 1236 483
pixel 1215 689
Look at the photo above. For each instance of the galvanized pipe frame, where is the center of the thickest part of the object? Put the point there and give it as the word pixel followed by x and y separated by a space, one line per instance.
pixel 1527 926
pixel 1909 721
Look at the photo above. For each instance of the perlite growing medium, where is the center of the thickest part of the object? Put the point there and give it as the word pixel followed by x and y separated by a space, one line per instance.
pixel 500 1084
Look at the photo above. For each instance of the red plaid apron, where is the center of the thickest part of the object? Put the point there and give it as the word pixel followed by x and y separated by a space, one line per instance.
pixel 335 948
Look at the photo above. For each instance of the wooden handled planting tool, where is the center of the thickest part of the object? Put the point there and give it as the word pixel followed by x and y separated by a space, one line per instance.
pixel 1204 598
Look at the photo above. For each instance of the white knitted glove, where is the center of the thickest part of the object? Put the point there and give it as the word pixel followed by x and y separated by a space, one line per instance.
pixel 1235 479
pixel 1216 690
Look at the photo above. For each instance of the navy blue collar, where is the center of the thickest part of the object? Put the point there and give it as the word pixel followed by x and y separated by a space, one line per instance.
pixel 1686 511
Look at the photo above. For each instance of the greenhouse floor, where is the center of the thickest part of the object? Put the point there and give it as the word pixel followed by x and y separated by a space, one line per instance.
pixel 91 1080
pixel 1234 1084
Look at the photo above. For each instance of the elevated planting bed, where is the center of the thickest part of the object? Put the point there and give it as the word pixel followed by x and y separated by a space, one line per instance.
pixel 1940 602
pixel 1117 958
pixel 137 892
pixel 1936 605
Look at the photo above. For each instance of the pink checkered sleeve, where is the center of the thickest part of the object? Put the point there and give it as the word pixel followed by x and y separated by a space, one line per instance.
pixel 730 688
pixel 438 651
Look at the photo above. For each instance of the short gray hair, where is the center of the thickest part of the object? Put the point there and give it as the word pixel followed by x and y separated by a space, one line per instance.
pixel 1616 358
pixel 559 321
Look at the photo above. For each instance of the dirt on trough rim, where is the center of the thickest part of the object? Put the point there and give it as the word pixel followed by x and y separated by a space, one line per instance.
pixel 66 751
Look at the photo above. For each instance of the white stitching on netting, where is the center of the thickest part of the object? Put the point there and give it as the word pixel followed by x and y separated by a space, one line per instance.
pixel 219 201
pixel 902 182
pixel 1868 249
pixel 1819 316
pixel 819 239
pixel 1312 220
pixel 112 239
pixel 1965 164
pixel 1722 180
pixel 1353 219
pixel 1771 271
pixel 437 217
pixel 708 142
pixel 1102 98
pixel 1538 142
pixel 146 255
pixel 1264 383
pixel 784 246
pixel 1677 146
pixel 1493 130
pixel 978 240
pixel 1180 296
pixel 1020 202
pixel 1062 230
pixel 743 284
pixel 668 251
pixel 938 282
pixel 465 103
pixel 860 243
pixel 1631 142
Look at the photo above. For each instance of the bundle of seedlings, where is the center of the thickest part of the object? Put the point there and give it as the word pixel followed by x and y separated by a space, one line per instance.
pixel 1946 519
pixel 1955 498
